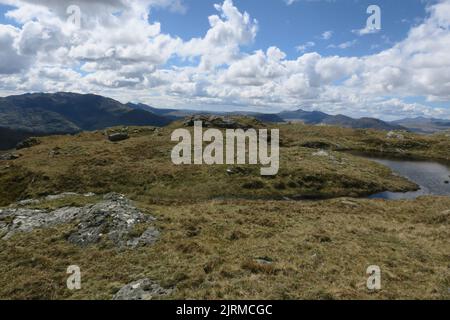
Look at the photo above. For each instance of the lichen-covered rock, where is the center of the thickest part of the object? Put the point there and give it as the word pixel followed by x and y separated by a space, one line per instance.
pixel 150 236
pixel 114 218
pixel 26 220
pixel 143 289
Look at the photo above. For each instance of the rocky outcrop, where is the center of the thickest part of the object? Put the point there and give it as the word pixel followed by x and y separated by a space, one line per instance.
pixel 60 196
pixel 143 289
pixel 216 122
pixel 28 143
pixel 9 157
pixel 13 221
pixel 114 218
pixel 395 135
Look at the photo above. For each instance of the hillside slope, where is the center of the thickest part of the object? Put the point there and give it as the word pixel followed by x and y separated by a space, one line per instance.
pixel 317 118
pixel 225 231
pixel 424 125
pixel 70 113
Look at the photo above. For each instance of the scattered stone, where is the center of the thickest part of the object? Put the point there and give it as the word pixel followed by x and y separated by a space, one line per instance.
pixel 395 135
pixel 89 194
pixel 114 218
pixel 321 153
pixel 9 157
pixel 143 289
pixel 54 152
pixel 350 203
pixel 116 137
pixel 28 143
pixel 446 182
pixel 264 261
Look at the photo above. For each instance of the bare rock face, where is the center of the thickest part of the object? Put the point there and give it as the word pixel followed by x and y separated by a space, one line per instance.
pixel 143 289
pixel 114 218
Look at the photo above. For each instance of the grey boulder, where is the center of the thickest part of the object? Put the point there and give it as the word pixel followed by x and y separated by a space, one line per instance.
pixel 115 218
pixel 116 137
pixel 143 289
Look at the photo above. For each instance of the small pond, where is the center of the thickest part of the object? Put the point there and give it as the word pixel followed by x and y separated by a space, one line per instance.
pixel 432 177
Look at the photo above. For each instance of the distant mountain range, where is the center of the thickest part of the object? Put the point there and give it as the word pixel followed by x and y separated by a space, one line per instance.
pixel 37 114
pixel 424 125
pixel 175 114
pixel 60 113
pixel 321 118
pixel 70 112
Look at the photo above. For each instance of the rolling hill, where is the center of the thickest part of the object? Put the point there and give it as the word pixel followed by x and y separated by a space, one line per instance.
pixel 38 114
pixel 424 125
pixel 318 118
pixel 70 113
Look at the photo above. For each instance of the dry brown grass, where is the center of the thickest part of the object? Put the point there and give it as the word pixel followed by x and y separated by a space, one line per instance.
pixel 208 250
pixel 141 167
pixel 214 230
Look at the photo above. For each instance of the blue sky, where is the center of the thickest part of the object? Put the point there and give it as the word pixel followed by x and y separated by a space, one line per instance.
pixel 254 55
pixel 288 26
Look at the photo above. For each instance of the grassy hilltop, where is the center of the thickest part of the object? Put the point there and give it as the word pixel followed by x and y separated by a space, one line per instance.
pixel 227 232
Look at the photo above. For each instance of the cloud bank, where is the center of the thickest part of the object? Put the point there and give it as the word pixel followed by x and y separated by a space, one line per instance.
pixel 120 52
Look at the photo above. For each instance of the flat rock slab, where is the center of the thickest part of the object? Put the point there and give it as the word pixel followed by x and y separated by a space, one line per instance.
pixel 143 289
pixel 114 218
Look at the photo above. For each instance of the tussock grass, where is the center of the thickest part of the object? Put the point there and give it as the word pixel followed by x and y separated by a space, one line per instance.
pixel 141 167
pixel 215 226
pixel 318 250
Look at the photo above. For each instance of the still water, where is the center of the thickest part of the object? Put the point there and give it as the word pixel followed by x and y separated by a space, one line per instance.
pixel 432 177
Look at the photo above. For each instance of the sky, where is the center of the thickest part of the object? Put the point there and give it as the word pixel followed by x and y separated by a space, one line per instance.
pixel 229 55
